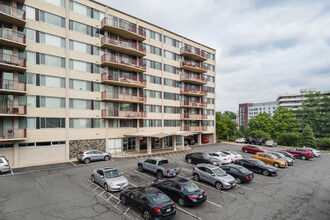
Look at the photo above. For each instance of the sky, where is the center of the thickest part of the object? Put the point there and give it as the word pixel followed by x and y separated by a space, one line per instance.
pixel 264 47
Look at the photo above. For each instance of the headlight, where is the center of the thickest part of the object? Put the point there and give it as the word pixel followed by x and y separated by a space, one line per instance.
pixel 225 181
pixel 282 162
pixel 215 163
pixel 112 184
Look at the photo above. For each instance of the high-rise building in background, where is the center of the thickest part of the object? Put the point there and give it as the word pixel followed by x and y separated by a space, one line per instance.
pixel 79 74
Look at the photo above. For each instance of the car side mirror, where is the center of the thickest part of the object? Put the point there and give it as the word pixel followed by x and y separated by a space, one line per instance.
pixel 212 174
pixel 122 173
pixel 102 176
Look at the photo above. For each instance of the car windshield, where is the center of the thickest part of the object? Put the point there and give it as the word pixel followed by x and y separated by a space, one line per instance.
pixel 275 157
pixel 112 174
pixel 279 155
pixel 219 172
pixel 243 169
pixel 191 187
pixel 160 198
pixel 222 154
pixel 162 162
pixel 206 156
pixel 259 162
pixel 233 152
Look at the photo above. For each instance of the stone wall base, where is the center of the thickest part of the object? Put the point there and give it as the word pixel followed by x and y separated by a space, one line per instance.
pixel 79 145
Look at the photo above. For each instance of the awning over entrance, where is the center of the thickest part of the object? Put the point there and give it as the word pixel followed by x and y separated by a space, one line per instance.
pixel 160 134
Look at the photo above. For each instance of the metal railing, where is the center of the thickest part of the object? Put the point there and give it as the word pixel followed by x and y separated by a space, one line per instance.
pixel 123 96
pixel 187 103
pixel 12 35
pixel 11 109
pixel 197 91
pixel 193 116
pixel 12 133
pixel 12 60
pixel 193 128
pixel 6 84
pixel 124 43
pixel 194 51
pixel 194 77
pixel 136 63
pixel 128 26
pixel 123 114
pixel 133 80
pixel 193 64
pixel 12 11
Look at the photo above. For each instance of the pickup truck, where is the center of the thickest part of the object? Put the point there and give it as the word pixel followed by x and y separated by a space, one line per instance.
pixel 160 166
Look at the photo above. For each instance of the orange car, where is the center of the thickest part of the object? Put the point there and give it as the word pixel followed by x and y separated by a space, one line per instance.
pixel 270 159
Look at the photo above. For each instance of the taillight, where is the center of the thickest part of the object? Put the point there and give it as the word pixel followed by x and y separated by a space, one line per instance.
pixel 82 155
pixel 247 176
pixel 157 209
pixel 193 197
pixel 193 168
pixel 174 204
pixel 168 171
pixel 225 159
pixel 6 165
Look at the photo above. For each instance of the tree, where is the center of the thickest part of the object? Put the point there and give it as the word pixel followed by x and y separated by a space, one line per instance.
pixel 232 115
pixel 261 122
pixel 283 121
pixel 307 138
pixel 289 139
pixel 315 111
pixel 225 126
pixel 260 134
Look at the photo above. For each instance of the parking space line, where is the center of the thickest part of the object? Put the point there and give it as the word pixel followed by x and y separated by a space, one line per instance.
pixel 133 184
pixel 189 213
pixel 186 169
pixel 144 174
pixel 244 187
pixel 73 164
pixel 126 210
pixel 214 204
pixel 11 171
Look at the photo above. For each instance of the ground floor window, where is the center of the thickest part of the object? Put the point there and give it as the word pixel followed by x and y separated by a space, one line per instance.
pixel 178 140
pixel 128 144
pixel 115 145
pixel 168 141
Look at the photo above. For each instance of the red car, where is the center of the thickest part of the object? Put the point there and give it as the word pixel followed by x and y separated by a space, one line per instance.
pixel 205 140
pixel 253 149
pixel 302 153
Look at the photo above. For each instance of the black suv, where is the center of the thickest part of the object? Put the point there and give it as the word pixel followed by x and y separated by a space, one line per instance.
pixel 249 140
pixel 259 141
pixel 199 157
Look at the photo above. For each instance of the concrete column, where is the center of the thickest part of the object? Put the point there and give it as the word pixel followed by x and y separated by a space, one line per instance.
pixel 163 143
pixel 137 144
pixel 174 142
pixel 148 145
pixel 182 141
pixel 16 156
pixel 199 138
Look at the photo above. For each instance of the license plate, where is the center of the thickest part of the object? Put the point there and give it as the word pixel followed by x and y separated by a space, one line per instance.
pixel 200 197
pixel 168 210
pixel 174 174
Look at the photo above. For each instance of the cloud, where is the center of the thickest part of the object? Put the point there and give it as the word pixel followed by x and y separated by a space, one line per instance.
pixel 264 48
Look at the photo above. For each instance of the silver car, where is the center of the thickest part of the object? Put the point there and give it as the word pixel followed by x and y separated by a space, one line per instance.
pixel 4 165
pixel 214 175
pixel 92 155
pixel 240 140
pixel 110 179
pixel 270 143
pixel 315 152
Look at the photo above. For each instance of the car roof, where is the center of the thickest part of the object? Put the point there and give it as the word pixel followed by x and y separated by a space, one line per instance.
pixel 157 158
pixel 207 165
pixel 179 180
pixel 231 165
pixel 107 168
pixel 146 190
pixel 250 159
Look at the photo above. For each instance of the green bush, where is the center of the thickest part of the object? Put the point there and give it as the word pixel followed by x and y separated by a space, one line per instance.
pixel 232 138
pixel 323 143
pixel 260 134
pixel 288 139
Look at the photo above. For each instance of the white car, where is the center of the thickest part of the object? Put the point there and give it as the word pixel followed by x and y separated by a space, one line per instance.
pixel 315 152
pixel 233 155
pixel 240 140
pixel 221 156
pixel 4 165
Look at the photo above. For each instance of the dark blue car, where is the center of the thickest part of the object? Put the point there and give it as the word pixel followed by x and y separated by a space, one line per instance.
pixel 183 191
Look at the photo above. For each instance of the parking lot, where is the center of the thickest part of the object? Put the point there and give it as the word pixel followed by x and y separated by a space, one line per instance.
pixel 64 191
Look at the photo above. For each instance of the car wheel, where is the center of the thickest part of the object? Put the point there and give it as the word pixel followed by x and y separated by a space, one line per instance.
pixel 106 187
pixel 218 185
pixel 181 202
pixel 106 158
pixel 93 178
pixel 87 160
pixel 140 168
pixel 265 173
pixel 123 200
pixel 146 215
pixel 303 157
pixel 276 165
pixel 160 175
pixel 189 160
pixel 196 177
pixel 238 180
pixel 246 151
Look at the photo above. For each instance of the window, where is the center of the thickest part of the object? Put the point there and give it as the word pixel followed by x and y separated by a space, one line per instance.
pixel 209 55
pixel 171 69
pixel 28 100
pixel 80 123
pixel 49 18
pixel 152 79
pixel 209 89
pixel 80 104
pixel 152 94
pixel 85 29
pixel 153 64
pixel 172 96
pixel 86 11
pixel 52 102
pixel 208 101
pixel 152 34
pixel 59 3
pixel 172 42
pixel 52 81
pixel 171 82
pixel 151 108
pixel 50 60
pixel 172 109
pixel 85 67
pixel 51 40
pixel 172 123
pixel 80 85
pixel 80 47
pixel 172 56
pixel 27 123
pixel 209 66
pixel 208 111
pixel 52 123
pixel 153 49
pixel 209 78
pixel 150 123
pixel 98 123
pixel 207 123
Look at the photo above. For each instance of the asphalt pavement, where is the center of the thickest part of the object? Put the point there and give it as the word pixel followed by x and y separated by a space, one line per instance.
pixel 64 191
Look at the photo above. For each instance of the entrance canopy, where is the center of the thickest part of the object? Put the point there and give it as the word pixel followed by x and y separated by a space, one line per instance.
pixel 160 134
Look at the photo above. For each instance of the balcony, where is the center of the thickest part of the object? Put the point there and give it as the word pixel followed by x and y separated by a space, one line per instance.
pixel 12 87
pixel 187 116
pixel 123 97
pixel 10 110
pixel 135 65
pixel 192 78
pixel 193 53
pixel 193 66
pixel 123 114
pixel 194 128
pixel 123 28
pixel 122 46
pixel 12 135
pixel 192 91
pixel 12 63
pixel 117 79
pixel 11 14
pixel 11 38
pixel 193 104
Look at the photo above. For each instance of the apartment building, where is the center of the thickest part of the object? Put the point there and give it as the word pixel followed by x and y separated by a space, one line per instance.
pixel 294 100
pixel 77 74
pixel 249 110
